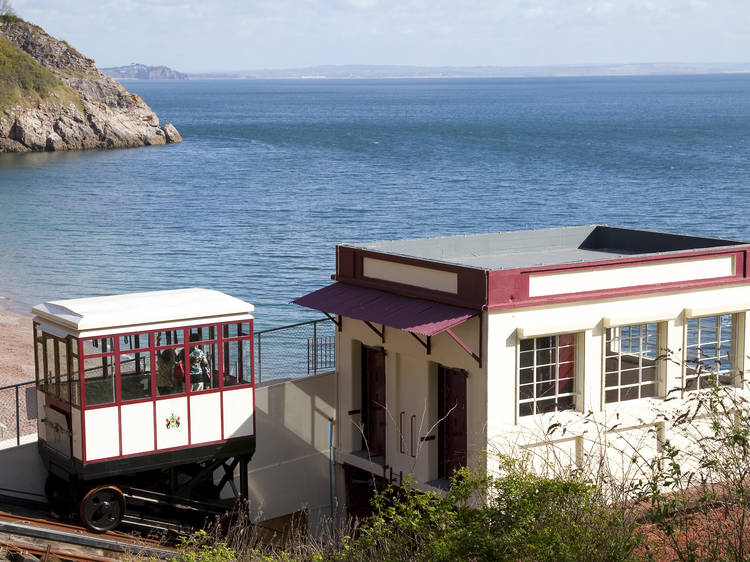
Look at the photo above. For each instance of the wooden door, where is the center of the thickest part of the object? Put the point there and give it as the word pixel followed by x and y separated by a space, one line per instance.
pixel 373 400
pixel 452 438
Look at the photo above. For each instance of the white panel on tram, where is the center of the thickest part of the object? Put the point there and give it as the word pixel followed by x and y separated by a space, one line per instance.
pixel 102 439
pixel 205 418
pixel 137 427
pixel 238 412
pixel 171 423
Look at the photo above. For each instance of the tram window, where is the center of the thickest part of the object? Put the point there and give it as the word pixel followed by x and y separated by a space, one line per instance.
pixel 205 333
pixel 211 379
pixel 40 357
pixel 166 383
pixel 169 337
pixel 99 345
pixel 135 375
pixel 133 341
pixel 237 330
pixel 50 370
pixel 75 382
pixel 62 369
pixel 237 362
pixel 99 380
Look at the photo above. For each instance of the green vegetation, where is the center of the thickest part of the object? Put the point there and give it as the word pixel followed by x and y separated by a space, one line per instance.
pixel 22 79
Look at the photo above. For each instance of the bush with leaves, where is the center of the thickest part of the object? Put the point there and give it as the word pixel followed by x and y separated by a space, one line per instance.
pixel 522 516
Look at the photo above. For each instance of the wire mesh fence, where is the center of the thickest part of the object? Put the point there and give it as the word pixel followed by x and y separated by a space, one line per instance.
pixel 17 411
pixel 295 351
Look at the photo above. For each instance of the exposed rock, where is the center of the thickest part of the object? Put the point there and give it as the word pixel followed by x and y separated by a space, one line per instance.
pixel 102 113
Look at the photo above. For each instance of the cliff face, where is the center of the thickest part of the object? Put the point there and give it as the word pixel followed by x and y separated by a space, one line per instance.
pixel 82 109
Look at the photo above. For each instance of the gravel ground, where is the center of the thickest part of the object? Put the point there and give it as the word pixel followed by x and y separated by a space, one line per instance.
pixel 16 365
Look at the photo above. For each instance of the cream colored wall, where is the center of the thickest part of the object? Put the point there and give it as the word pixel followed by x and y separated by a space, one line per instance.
pixel 633 421
pixel 289 470
pixel 411 389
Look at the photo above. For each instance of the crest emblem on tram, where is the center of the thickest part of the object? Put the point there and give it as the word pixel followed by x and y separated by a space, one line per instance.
pixel 173 421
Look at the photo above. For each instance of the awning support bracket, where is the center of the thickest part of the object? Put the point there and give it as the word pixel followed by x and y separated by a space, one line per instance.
pixel 426 344
pixel 465 347
pixel 380 332
pixel 336 320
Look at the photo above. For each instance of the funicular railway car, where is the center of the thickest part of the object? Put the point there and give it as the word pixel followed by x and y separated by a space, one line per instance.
pixel 145 403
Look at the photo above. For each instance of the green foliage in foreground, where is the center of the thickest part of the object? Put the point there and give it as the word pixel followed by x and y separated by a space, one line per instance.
pixel 22 77
pixel 526 517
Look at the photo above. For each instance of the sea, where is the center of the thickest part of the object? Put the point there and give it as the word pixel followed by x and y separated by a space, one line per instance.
pixel 272 174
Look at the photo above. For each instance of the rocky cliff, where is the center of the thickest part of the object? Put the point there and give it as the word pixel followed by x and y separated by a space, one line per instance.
pixel 54 98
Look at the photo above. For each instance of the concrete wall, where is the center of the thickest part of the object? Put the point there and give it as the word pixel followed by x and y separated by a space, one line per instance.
pixel 22 473
pixel 290 468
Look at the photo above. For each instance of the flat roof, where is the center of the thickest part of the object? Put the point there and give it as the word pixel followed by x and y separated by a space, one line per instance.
pixel 549 246
pixel 139 309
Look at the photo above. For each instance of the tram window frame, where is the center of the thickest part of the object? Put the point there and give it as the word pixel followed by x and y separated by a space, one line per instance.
pixel 108 368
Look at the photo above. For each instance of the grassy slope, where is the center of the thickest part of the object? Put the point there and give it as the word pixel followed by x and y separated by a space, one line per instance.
pixel 23 81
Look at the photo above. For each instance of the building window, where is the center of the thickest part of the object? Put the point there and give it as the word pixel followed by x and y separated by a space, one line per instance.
pixel 710 351
pixel 547 374
pixel 631 355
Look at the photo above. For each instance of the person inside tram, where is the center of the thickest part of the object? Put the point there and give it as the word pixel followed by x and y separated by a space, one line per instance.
pixel 198 365
pixel 165 381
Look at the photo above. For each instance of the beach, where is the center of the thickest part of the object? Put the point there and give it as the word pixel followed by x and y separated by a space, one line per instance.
pixel 16 349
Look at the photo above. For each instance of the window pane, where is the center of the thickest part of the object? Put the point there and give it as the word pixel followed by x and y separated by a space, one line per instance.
pixel 99 380
pixel 237 362
pixel 632 363
pixel 237 329
pixel 133 341
pixel 169 337
pixel 98 345
pixel 166 381
pixel 135 375
pixel 205 333
pixel 546 374
pixel 62 358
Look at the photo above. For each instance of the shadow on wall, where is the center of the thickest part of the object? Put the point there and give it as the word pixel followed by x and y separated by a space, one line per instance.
pixel 22 473
pixel 290 468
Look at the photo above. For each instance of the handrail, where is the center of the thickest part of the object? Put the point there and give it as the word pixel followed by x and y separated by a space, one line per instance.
pixel 292 326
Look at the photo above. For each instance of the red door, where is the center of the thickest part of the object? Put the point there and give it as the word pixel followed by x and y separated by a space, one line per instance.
pixel 373 400
pixel 452 427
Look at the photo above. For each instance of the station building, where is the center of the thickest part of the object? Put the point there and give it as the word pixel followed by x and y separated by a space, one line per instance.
pixel 452 349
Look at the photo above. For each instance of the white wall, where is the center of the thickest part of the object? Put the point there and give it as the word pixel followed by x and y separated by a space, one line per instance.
pixel 411 389
pixel 634 420
pixel 290 468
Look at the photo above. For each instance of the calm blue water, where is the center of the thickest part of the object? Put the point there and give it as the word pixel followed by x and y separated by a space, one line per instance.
pixel 272 174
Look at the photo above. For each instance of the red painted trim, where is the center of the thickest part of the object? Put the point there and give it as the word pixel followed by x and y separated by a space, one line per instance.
pixel 221 381
pixel 81 371
pixel 510 289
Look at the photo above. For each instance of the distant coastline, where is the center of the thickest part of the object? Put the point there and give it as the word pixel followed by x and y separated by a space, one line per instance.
pixel 354 72
pixel 138 72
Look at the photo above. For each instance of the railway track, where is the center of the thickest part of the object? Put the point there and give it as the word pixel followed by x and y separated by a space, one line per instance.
pixel 37 535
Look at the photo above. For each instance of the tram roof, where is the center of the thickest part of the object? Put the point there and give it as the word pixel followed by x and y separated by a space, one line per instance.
pixel 148 310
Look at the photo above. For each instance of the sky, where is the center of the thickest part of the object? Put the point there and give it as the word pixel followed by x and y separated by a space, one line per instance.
pixel 223 35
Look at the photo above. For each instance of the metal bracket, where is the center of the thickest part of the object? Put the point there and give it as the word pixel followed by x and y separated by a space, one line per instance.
pixel 466 348
pixel 338 322
pixel 426 344
pixel 380 332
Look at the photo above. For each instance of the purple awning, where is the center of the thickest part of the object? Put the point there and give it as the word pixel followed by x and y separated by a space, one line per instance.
pixel 371 305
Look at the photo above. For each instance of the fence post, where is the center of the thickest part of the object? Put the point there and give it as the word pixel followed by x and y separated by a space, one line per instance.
pixel 18 420
pixel 315 347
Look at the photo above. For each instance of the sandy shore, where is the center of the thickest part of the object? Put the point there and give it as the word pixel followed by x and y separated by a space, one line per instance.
pixel 16 351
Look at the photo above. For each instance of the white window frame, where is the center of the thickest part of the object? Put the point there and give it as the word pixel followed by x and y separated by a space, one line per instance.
pixel 643 348
pixel 708 352
pixel 555 364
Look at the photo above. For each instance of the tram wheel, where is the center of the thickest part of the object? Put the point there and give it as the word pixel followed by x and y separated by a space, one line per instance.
pixel 102 508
